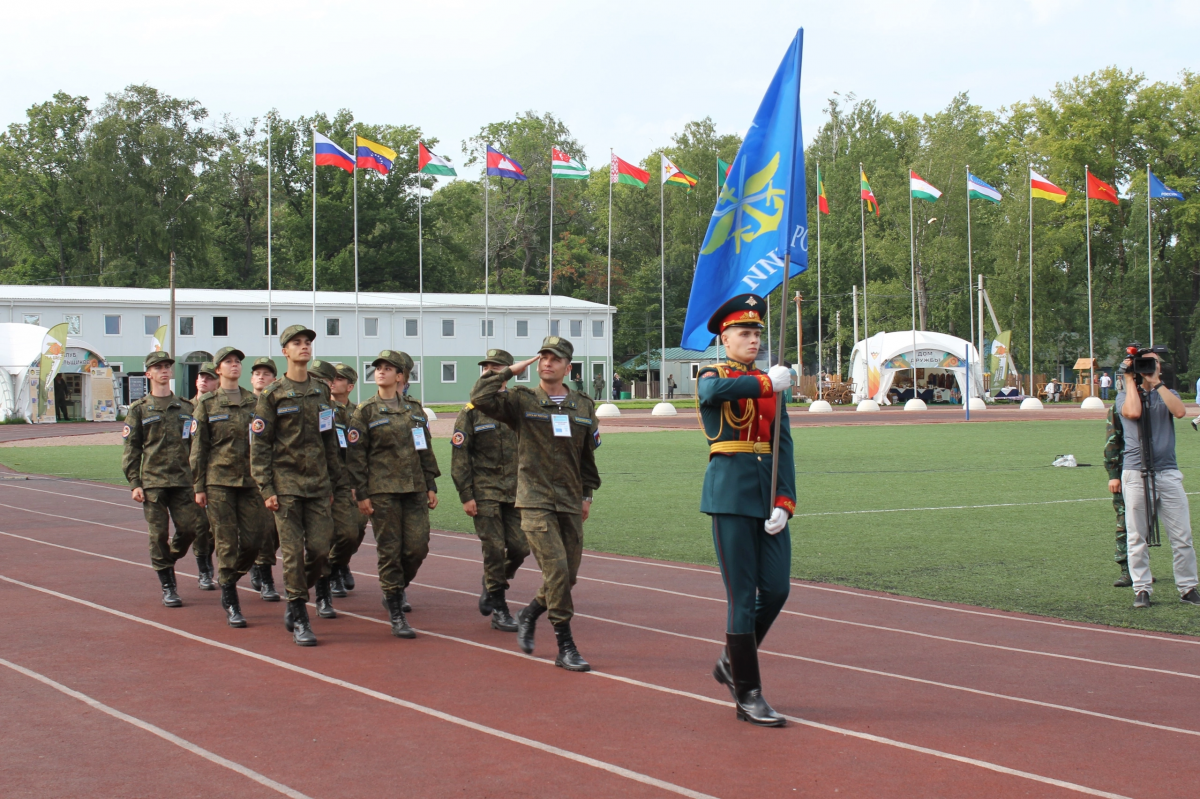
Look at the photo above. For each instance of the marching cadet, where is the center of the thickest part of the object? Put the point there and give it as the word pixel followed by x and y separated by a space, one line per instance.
pixel 483 463
pixel 221 477
pixel 340 578
pixel 556 475
pixel 1114 457
pixel 344 510
pixel 393 471
pixel 295 463
pixel 206 381
pixel 262 374
pixel 157 433
pixel 737 405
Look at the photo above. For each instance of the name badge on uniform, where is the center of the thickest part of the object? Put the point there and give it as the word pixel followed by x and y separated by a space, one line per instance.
pixel 326 420
pixel 419 438
pixel 341 438
pixel 562 425
pixel 187 426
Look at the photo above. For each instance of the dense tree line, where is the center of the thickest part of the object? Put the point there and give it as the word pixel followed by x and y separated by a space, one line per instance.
pixel 102 194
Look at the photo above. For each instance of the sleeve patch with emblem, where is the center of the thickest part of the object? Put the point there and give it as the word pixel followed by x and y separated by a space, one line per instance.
pixel 352 436
pixel 596 437
pixel 458 439
pixel 258 425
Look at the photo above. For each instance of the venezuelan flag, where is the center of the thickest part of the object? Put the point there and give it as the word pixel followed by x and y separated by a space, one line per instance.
pixel 373 156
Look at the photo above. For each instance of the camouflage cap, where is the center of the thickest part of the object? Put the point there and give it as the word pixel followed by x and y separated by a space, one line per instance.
pixel 292 332
pixel 209 368
pixel 161 356
pixel 498 357
pixel 323 369
pixel 346 372
pixel 559 346
pixel 396 358
pixel 225 352
pixel 265 363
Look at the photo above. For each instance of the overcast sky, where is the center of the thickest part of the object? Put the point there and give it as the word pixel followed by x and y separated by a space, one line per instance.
pixel 620 74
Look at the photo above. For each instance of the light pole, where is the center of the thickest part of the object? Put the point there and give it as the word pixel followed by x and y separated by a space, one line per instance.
pixel 169 224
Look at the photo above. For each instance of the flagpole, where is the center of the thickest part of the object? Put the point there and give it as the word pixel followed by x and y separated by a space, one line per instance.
pixel 662 285
pixel 550 277
pixel 912 266
pixel 970 265
pixel 357 339
pixel 608 297
pixel 862 219
pixel 1087 205
pixel 268 325
pixel 1030 176
pixel 487 186
pixel 314 232
pixel 1149 254
pixel 420 288
pixel 820 346
pixel 720 344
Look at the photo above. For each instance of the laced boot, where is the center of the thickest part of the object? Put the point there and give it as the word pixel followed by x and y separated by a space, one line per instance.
pixel 502 620
pixel 568 656
pixel 485 600
pixel 394 602
pixel 204 566
pixel 1125 580
pixel 526 623
pixel 255 581
pixel 302 634
pixel 229 601
pixel 269 594
pixel 747 684
pixel 347 578
pixel 170 599
pixel 324 600
pixel 336 587
pixel 407 608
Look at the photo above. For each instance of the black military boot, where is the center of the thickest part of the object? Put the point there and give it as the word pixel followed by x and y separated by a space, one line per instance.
pixel 269 594
pixel 407 608
pixel 526 622
pixel 502 620
pixel 347 578
pixel 747 684
pixel 204 565
pixel 721 672
pixel 485 600
pixel 324 600
pixel 1125 580
pixel 167 577
pixel 255 581
pixel 568 656
pixel 302 634
pixel 229 601
pixel 336 587
pixel 394 602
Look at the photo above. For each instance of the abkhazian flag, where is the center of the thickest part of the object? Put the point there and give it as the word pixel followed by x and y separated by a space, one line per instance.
pixel 674 176
pixel 822 200
pixel 564 167
pixel 621 171
pixel 864 191
pixel 978 190
pixel 1097 189
pixel 1043 189
pixel 722 172
pixel 922 189
pixel 430 164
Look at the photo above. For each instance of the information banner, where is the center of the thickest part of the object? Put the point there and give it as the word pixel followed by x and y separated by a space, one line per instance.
pixel 104 399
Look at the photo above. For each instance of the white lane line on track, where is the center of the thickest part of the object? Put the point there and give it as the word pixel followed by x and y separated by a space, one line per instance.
pixel 182 743
pixel 828 663
pixel 994 767
pixel 611 768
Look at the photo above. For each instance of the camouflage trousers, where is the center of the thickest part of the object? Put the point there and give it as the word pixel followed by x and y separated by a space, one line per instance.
pixel 498 525
pixel 177 505
pixel 270 539
pixel 236 516
pixel 305 528
pixel 556 540
pixel 203 545
pixel 1122 553
pixel 349 528
pixel 401 524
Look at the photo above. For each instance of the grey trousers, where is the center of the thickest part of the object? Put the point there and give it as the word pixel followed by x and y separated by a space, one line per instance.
pixel 1173 517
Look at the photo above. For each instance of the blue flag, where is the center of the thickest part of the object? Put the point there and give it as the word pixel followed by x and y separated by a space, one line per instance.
pixel 761 212
pixel 1157 190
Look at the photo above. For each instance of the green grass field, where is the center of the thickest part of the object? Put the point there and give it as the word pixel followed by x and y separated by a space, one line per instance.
pixel 1036 553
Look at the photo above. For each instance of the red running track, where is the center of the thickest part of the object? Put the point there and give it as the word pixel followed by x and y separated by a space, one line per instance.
pixel 889 696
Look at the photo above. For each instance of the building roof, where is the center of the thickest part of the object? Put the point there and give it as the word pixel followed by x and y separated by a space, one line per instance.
pixel 104 295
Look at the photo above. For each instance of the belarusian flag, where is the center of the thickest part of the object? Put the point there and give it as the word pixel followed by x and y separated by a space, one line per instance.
pixel 674 176
pixel 864 191
pixel 921 189
pixel 563 166
pixel 430 164
pixel 622 171
pixel 722 172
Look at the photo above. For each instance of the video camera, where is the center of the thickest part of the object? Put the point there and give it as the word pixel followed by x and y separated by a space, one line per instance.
pixel 1142 362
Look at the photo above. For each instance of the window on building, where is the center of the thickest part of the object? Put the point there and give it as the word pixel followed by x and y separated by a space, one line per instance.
pixel 74 324
pixel 371 326
pixel 411 328
pixel 415 377
pixel 152 324
pixel 524 376
pixel 220 325
pixel 187 325
pixel 270 325
pixel 694 370
pixel 576 328
pixel 369 373
pixel 333 326
pixel 487 328
pixel 33 319
pixel 522 328
pixel 597 328
pixel 449 371
pixel 447 328
pixel 112 324
pixel 554 327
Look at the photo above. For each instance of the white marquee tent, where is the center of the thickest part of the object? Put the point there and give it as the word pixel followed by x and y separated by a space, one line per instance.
pixel 20 348
pixel 876 363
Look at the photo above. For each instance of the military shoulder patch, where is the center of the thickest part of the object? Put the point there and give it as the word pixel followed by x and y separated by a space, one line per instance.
pixel 596 438
pixel 468 406
pixel 479 428
pixel 535 415
pixel 258 425
pixel 379 422
pixel 352 436
pixel 219 417
pixel 458 439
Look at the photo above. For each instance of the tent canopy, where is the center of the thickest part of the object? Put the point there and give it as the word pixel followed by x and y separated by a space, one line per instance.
pixel 875 363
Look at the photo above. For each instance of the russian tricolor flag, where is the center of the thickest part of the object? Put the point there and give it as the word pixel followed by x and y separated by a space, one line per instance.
pixel 327 153
pixel 501 166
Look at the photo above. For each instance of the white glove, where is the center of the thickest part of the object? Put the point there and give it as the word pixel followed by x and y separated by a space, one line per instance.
pixel 781 378
pixel 778 520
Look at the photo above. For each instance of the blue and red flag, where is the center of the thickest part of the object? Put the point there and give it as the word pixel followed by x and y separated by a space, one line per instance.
pixel 326 153
pixel 501 166
pixel 372 155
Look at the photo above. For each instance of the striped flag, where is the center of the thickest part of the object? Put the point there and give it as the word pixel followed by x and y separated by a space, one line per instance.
pixel 564 167
pixel 822 200
pixel 922 189
pixel 326 153
pixel 372 155
pixel 430 164
pixel 1043 189
pixel 864 191
pixel 621 171
pixel 674 176
pixel 978 190
pixel 722 172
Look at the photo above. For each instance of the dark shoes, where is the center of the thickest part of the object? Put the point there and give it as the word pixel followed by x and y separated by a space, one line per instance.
pixel 266 584
pixel 502 619
pixel 347 578
pixel 1124 581
pixel 336 586
pixel 325 600
pixel 394 602
pixel 485 601
pixel 297 622
pixel 255 580
pixel 170 598
pixel 747 684
pixel 568 656
pixel 526 623
pixel 1142 600
pixel 205 567
pixel 1191 597
pixel 407 608
pixel 229 601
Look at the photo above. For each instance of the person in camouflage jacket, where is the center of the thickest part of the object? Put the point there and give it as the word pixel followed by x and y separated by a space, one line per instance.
pixel 1114 456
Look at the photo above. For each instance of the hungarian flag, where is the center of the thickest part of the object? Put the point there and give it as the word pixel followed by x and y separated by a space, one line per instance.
pixel 865 193
pixel 326 153
pixel 722 172
pixel 922 189
pixel 563 166
pixel 822 200
pixel 1043 189
pixel 430 164
pixel 674 176
pixel 501 166
pixel 622 171
pixel 1097 189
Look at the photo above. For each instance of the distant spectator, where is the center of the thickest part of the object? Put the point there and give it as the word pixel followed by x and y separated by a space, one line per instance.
pixel 598 386
pixel 1106 384
pixel 671 386
pixel 1052 390
pixel 60 399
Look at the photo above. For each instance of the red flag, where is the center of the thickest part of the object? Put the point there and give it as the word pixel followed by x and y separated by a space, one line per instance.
pixel 1097 189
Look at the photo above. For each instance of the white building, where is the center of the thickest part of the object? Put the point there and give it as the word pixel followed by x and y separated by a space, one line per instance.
pixel 448 333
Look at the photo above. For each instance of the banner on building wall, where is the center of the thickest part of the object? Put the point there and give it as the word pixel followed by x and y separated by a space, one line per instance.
pixel 104 398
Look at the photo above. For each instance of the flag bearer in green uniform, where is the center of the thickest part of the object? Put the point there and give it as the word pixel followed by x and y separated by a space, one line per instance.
pixel 737 405
pixel 263 374
pixel 344 547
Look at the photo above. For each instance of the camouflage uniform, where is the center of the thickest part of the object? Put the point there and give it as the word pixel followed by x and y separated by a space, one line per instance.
pixel 270 536
pixel 1114 456
pixel 203 545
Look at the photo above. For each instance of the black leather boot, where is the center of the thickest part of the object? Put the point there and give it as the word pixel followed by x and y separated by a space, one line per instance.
pixel 324 600
pixel 747 684
pixel 170 599
pixel 568 656
pixel 407 608
pixel 485 600
pixel 269 594
pixel 502 620
pixel 721 672
pixel 229 601
pixel 255 582
pixel 302 634
pixel 526 622
pixel 204 566
pixel 394 602
pixel 336 587
pixel 347 578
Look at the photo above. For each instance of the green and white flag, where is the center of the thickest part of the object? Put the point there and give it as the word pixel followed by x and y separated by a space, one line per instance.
pixel 563 166
pixel 430 164
pixel 921 190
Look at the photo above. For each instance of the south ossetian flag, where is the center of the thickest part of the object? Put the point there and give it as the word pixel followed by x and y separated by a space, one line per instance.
pixel 326 153
pixel 564 167
pixel 374 156
pixel 922 189
pixel 500 165
pixel 978 190
pixel 430 164
pixel 1044 189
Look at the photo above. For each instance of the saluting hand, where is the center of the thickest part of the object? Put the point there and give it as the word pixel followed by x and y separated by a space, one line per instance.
pixel 519 368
